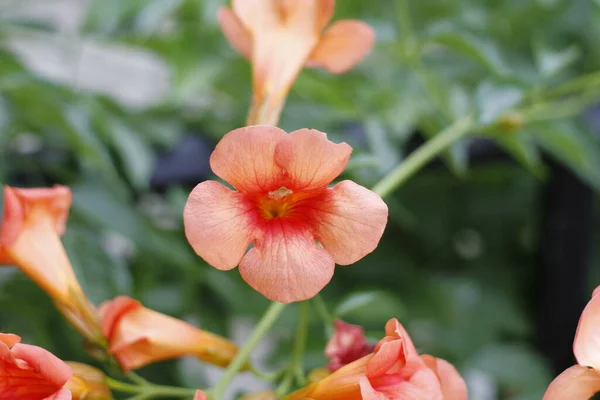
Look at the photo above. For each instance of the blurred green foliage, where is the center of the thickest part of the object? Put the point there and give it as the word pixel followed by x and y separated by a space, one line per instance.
pixel 456 263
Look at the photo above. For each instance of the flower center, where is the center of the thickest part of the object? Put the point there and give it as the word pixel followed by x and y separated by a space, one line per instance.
pixel 277 204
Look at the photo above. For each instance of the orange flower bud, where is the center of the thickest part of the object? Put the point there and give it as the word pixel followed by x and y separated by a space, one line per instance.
pixel 87 383
pixel 33 221
pixel 138 336
pixel 264 395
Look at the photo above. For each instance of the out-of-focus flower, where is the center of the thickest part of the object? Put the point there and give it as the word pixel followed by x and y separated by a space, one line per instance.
pixel 395 371
pixel 33 221
pixel 138 336
pixel 347 344
pixel 282 206
pixel 200 395
pixel 582 381
pixel 279 37
pixel 264 395
pixel 30 372
pixel 87 383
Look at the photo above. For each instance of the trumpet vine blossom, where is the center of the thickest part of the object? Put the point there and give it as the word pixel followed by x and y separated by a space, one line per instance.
pixel 298 226
pixel 280 37
pixel 30 372
pixel 138 336
pixel 582 381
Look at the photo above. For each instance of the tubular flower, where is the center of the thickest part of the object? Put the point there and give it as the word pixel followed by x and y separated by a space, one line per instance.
pixel 87 383
pixel 279 37
pixel 282 206
pixel 138 336
pixel 30 372
pixel 582 381
pixel 347 344
pixel 33 221
pixel 395 371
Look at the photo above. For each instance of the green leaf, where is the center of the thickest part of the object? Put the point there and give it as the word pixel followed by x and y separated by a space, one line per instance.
pixel 506 363
pixel 370 307
pixel 136 155
pixel 551 62
pixel 573 146
pixel 523 148
pixel 482 51
pixel 151 16
pixel 495 99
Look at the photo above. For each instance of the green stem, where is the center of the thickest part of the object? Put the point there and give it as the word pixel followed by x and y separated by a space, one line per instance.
pixel 300 345
pixel 321 307
pixel 240 359
pixel 423 155
pixel 149 390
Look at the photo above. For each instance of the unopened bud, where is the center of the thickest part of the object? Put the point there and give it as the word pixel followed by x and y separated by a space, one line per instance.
pixel 87 383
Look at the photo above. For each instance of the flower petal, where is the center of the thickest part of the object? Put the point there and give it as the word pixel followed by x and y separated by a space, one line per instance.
pixel 575 383
pixel 286 264
pixel 62 394
pixel 349 221
pixel 245 158
pixel 310 160
pixel 9 339
pixel 200 395
pixel 51 368
pixel 394 329
pixel 235 31
pixel 453 385
pixel 587 339
pixel 218 223
pixel 344 44
pixel 367 391
pixel 22 205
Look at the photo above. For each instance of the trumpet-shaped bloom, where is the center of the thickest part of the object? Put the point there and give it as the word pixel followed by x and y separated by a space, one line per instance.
pixel 33 221
pixel 582 381
pixel 30 372
pixel 347 344
pixel 87 383
pixel 279 37
pixel 282 205
pixel 138 336
pixel 395 371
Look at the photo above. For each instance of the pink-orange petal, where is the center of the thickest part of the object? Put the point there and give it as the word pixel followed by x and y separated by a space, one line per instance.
pixel 343 46
pixel 587 339
pixel 50 367
pixel 575 383
pixel 235 31
pixel 62 394
pixel 285 264
pixel 310 160
pixel 349 221
pixel 394 329
pixel 9 339
pixel 244 158
pixel 200 395
pixel 218 224
pixel 452 384
pixel 367 392
pixel 256 14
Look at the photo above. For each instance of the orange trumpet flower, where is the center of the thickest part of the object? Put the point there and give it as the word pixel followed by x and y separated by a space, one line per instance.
pixel 279 37
pixel 395 371
pixel 282 206
pixel 138 336
pixel 30 372
pixel 33 221
pixel 582 381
